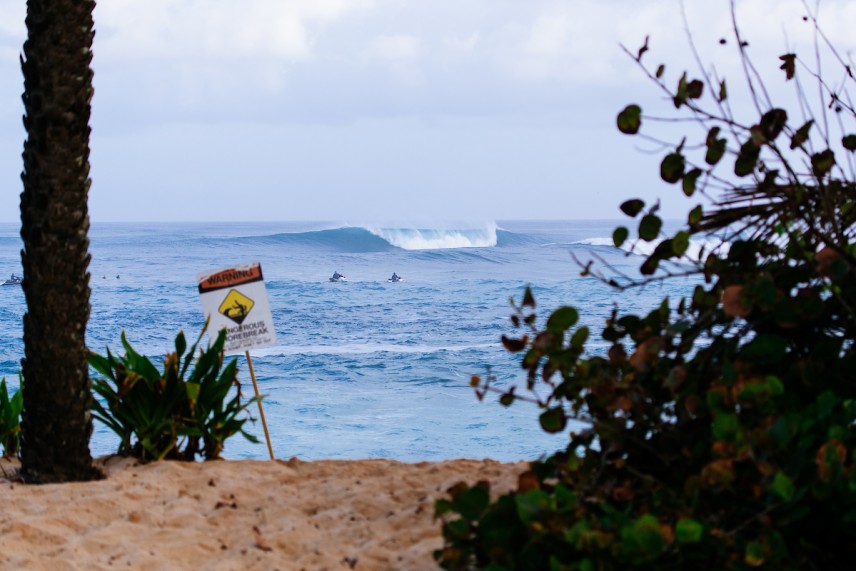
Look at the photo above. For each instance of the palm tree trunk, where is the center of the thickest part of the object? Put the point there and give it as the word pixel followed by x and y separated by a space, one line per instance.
pixel 56 423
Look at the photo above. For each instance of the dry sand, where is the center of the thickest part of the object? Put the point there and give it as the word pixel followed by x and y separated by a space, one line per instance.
pixel 237 515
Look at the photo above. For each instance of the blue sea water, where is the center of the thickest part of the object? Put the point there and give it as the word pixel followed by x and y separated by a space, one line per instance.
pixel 364 368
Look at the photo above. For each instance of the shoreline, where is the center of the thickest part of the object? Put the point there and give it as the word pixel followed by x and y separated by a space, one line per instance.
pixel 238 515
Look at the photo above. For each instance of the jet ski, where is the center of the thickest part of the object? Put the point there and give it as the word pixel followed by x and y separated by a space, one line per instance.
pixel 337 277
pixel 14 280
pixel 395 278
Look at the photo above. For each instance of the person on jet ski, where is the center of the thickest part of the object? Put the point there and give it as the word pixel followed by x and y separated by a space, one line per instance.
pixel 395 277
pixel 337 275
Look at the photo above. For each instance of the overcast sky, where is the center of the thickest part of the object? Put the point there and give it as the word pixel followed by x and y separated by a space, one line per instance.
pixel 390 111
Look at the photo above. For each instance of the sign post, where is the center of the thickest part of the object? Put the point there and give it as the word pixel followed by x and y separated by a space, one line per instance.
pixel 236 299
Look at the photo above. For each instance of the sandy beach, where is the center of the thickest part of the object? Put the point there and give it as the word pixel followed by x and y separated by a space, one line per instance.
pixel 236 515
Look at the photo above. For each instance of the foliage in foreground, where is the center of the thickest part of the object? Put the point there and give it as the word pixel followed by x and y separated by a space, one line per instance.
pixel 10 419
pixel 175 414
pixel 720 429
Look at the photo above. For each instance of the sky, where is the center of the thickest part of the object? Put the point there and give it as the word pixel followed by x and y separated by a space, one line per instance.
pixel 386 111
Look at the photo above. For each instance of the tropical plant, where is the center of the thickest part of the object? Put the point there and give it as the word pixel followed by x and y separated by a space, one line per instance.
pixel 56 423
pixel 718 429
pixel 177 414
pixel 10 419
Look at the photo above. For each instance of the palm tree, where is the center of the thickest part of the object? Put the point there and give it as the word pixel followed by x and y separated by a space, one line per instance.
pixel 56 423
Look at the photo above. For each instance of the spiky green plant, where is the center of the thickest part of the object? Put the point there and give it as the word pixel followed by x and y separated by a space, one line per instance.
pixel 179 413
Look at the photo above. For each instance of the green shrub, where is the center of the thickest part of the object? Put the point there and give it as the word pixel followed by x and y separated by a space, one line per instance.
pixel 10 419
pixel 175 414
pixel 719 429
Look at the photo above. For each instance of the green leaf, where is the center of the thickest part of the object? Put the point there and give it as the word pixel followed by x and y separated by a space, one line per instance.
pixel 553 420
pixel 661 69
pixel 765 348
pixel 649 227
pixel 192 391
pixel 801 136
pixel 563 318
pixel 772 123
pixel 472 503
pixel 756 554
pixel 783 486
pixel 649 266
pixel 715 147
pixel 747 159
pixel 689 183
pixel 579 338
pixel 680 243
pixel 695 216
pixel 630 119
pixel 688 531
pixel 822 163
pixel 695 89
pixel 531 505
pixel 788 65
pixel 643 538
pixel 723 91
pixel 632 207
pixel 849 142
pixel 775 385
pixel 180 343
pixel 672 168
pixel 681 93
pixel 726 426
pixel 619 236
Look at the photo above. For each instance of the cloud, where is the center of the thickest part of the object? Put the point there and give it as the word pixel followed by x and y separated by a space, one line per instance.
pixel 223 29
pixel 458 45
pixel 394 48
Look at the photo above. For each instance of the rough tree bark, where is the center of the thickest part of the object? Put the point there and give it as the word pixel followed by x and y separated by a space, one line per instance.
pixel 56 423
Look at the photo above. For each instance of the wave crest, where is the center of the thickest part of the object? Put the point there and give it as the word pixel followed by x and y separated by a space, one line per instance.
pixel 438 239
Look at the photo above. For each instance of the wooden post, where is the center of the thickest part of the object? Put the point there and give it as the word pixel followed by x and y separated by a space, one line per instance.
pixel 261 411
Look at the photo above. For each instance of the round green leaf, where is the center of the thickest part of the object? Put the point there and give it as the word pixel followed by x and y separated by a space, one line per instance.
pixel 688 531
pixel 562 319
pixel 695 88
pixel 822 163
pixel 649 227
pixel 672 168
pixel 472 503
pixel 630 119
pixel 773 122
pixel 632 207
pixel 553 420
pixel 849 142
pixel 783 486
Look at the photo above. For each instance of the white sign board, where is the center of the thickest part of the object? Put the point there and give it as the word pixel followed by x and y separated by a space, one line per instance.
pixel 235 298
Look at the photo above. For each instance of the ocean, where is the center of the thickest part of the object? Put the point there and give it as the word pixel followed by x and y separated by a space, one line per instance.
pixel 363 368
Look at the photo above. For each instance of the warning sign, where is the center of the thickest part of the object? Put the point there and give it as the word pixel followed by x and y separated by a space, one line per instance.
pixel 236 299
pixel 236 306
